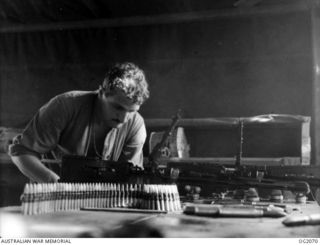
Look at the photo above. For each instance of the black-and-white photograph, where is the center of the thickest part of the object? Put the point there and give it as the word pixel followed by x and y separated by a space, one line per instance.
pixel 159 119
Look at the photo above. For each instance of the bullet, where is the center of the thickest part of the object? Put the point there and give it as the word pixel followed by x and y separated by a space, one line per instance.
pixel 72 196
pixel 139 196
pixel 170 199
pixel 81 195
pixel 86 195
pixel 146 197
pixel 78 196
pixel 118 199
pixel 54 197
pixel 97 195
pixel 32 199
pixel 108 195
pixel 161 195
pixel 26 199
pixel 37 199
pixel 91 194
pixel 175 194
pixel 158 206
pixel 104 195
pixel 134 196
pixel 122 196
pixel 111 195
pixel 130 194
pixel 125 195
pixel 154 198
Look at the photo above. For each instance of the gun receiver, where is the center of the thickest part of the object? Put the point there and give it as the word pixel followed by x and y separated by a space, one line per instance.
pixel 84 169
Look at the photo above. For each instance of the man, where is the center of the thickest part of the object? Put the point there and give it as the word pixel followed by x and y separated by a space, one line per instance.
pixel 104 123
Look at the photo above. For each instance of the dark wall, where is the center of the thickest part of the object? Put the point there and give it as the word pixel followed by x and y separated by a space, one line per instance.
pixel 233 67
pixel 237 66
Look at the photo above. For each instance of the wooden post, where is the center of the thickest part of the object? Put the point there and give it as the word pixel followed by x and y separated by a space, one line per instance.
pixel 305 142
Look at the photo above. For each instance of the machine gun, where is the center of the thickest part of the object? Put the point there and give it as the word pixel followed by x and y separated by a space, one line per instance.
pixel 215 176
pixel 210 176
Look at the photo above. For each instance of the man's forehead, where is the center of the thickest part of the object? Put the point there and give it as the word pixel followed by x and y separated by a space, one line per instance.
pixel 120 98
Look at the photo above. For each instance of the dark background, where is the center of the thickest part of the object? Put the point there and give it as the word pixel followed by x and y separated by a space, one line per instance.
pixel 221 58
pixel 209 58
pixel 224 66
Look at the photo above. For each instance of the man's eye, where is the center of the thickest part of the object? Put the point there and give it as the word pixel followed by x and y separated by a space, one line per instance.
pixel 119 108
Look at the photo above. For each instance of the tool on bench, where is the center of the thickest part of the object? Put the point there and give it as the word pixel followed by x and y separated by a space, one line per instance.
pixel 244 211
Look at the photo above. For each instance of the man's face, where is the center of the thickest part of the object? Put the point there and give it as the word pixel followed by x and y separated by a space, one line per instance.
pixel 116 108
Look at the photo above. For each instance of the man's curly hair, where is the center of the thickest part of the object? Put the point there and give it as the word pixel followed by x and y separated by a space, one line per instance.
pixel 128 78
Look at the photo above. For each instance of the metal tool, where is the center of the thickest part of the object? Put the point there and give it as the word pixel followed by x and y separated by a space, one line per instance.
pixel 313 219
pixel 241 211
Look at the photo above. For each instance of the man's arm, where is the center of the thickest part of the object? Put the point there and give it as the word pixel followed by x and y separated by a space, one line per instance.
pixel 34 169
pixel 40 136
pixel 133 148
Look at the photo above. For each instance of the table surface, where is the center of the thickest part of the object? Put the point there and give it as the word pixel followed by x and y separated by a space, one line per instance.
pixel 173 225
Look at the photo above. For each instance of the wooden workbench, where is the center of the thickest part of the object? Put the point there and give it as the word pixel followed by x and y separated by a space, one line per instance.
pixel 121 224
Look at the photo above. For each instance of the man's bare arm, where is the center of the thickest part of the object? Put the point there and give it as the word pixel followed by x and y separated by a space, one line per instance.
pixel 34 169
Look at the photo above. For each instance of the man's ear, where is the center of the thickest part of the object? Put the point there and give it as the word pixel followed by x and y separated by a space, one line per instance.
pixel 101 91
pixel 103 88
